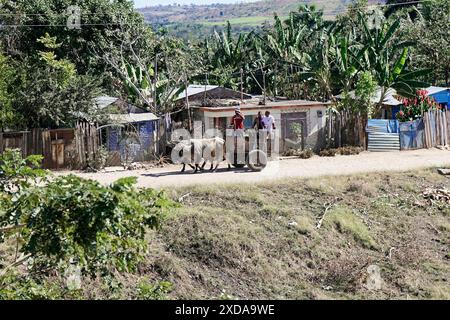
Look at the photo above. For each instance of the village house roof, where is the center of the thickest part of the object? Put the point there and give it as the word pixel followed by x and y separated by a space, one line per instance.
pixel 433 90
pixel 200 92
pixel 255 104
pixel 132 117
pixel 121 106
pixel 119 111
pixel 389 99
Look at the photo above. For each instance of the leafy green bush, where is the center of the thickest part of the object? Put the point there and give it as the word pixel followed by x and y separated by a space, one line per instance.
pixel 16 287
pixel 16 172
pixel 156 291
pixel 73 221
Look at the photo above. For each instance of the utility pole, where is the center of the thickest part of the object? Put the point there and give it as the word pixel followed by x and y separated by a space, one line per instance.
pixel 155 83
pixel 187 104
pixel 264 85
pixel 242 84
pixel 275 81
pixel 206 83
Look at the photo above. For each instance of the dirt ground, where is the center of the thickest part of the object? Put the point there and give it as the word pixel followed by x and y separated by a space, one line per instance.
pixel 365 162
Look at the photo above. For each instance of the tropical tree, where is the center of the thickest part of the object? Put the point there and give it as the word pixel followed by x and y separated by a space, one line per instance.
pixel 49 92
pixel 101 21
pixel 7 114
pixel 430 34
pixel 388 58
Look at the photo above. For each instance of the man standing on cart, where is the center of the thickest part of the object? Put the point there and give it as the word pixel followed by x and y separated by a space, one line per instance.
pixel 237 122
pixel 269 124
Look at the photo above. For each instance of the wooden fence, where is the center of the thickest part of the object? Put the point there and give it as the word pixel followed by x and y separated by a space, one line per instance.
pixel 61 148
pixel 345 128
pixel 437 128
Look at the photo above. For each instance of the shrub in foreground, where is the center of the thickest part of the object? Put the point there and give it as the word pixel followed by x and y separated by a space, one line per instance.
pixel 77 222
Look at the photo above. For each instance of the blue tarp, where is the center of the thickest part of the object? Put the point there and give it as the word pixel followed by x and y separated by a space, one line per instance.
pixel 139 148
pixel 412 134
pixel 382 125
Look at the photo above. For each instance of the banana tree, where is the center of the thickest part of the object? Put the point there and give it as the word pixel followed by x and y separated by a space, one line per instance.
pixel 139 83
pixel 158 96
pixel 350 58
pixel 388 60
pixel 285 42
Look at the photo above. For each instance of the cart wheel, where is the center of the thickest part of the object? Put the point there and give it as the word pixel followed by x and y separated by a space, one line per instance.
pixel 257 160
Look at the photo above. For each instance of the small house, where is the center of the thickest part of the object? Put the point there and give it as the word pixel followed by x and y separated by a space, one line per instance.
pixel 128 133
pixel 301 123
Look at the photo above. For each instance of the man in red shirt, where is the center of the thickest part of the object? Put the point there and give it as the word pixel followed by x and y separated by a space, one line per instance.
pixel 239 143
pixel 238 120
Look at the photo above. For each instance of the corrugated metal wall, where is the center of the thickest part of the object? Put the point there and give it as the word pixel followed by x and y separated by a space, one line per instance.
pixel 383 135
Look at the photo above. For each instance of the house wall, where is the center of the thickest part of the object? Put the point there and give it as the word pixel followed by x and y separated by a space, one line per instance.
pixel 140 148
pixel 315 122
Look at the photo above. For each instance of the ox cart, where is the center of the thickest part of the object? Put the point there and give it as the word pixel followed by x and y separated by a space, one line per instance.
pixel 254 157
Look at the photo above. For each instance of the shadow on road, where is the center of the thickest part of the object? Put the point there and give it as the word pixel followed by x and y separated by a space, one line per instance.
pixel 191 172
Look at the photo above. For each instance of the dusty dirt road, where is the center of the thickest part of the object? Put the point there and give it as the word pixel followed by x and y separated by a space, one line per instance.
pixel 170 176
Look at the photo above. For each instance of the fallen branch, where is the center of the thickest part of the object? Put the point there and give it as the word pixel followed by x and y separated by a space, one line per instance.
pixel 15 264
pixel 327 207
pixel 180 199
pixel 437 194
pixel 433 227
pixel 11 228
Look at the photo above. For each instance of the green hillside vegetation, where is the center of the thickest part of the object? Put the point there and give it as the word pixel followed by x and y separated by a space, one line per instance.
pixel 189 21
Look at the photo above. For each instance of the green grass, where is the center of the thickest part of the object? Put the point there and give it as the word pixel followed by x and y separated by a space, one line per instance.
pixel 242 21
pixel 348 222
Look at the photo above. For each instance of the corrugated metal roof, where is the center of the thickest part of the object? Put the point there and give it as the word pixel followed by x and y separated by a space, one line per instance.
pixel 433 90
pixel 104 101
pixel 383 142
pixel 253 105
pixel 133 117
pixel 195 89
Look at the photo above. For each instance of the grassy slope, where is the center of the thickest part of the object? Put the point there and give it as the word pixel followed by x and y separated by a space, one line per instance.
pixel 241 242
pixel 238 241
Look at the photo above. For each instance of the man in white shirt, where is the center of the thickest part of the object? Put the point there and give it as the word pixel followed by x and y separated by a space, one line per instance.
pixel 269 122
pixel 269 125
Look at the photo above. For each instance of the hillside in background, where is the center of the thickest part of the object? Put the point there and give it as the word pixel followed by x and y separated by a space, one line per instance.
pixel 192 20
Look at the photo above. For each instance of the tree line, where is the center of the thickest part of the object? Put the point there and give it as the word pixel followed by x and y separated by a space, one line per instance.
pixel 49 74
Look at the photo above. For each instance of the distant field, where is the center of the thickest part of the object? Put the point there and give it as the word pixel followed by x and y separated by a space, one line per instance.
pixel 252 13
pixel 248 21
pixel 194 21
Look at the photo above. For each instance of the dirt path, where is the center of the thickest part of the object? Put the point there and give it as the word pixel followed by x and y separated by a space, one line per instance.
pixel 316 166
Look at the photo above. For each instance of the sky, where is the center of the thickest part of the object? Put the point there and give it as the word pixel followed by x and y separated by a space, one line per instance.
pixel 148 3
